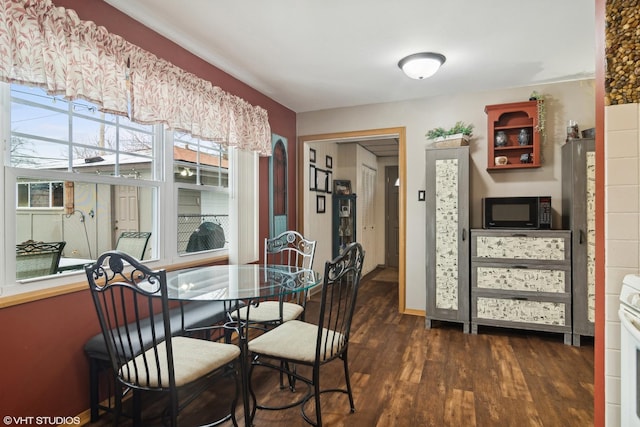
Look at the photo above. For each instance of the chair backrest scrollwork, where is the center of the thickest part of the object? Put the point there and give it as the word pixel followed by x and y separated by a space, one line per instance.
pixel 290 248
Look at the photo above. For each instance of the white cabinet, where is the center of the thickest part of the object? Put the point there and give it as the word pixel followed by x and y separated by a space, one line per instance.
pixel 521 279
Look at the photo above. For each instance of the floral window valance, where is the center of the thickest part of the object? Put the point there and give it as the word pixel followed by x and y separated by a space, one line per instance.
pixel 50 47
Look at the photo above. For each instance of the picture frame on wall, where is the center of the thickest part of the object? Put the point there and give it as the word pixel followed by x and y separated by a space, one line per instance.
pixel 329 162
pixel 321 180
pixel 320 204
pixel 329 178
pixel 342 186
pixel 312 155
pixel 312 178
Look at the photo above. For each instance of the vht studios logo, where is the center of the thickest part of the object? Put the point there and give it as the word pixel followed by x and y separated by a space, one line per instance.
pixel 40 421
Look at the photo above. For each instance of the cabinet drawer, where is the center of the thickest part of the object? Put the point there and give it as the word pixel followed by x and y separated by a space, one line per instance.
pixel 521 279
pixel 523 246
pixel 522 311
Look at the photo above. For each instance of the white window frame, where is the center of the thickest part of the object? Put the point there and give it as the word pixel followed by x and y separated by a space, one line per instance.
pixel 198 187
pixel 8 186
pixel 242 191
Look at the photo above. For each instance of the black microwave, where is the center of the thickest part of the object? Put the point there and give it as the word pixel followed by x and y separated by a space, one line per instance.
pixel 517 212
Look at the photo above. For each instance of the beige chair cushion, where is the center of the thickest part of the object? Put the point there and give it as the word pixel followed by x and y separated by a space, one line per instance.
pixel 294 340
pixel 269 311
pixel 192 358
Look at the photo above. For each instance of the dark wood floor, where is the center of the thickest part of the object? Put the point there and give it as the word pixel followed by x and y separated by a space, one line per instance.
pixel 406 375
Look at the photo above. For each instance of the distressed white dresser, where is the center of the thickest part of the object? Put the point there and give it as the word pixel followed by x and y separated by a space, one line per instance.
pixel 521 279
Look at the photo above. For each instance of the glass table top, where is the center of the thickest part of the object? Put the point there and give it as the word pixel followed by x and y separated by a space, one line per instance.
pixel 239 282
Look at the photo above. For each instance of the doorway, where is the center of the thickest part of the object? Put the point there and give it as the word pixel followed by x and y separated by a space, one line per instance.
pixel 398 133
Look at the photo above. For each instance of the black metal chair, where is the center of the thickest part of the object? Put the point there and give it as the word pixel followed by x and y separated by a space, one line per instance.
pixel 289 248
pixel 314 344
pixel 191 318
pixel 133 309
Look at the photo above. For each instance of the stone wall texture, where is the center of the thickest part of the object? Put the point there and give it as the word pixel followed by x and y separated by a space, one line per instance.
pixel 622 76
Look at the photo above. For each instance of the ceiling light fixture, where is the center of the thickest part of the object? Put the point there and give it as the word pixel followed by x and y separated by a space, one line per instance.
pixel 421 65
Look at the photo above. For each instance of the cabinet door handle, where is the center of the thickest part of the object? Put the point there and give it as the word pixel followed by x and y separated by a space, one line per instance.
pixel 581 239
pixel 520 298
pixel 519 235
pixel 464 234
pixel 522 267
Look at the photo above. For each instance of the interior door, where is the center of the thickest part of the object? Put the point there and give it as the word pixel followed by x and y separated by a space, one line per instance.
pixel 392 217
pixel 367 203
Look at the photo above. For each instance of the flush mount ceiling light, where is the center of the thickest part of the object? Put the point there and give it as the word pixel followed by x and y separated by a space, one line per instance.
pixel 421 65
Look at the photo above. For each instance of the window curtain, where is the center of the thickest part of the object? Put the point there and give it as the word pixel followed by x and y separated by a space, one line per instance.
pixel 188 103
pixel 50 47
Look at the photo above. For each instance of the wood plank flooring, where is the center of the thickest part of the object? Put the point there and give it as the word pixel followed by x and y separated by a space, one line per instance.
pixel 406 375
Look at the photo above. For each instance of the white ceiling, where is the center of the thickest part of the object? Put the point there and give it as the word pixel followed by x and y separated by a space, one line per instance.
pixel 313 55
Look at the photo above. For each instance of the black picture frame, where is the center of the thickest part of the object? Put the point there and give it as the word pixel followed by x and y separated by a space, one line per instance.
pixel 342 186
pixel 329 181
pixel 321 180
pixel 329 162
pixel 320 204
pixel 312 155
pixel 312 178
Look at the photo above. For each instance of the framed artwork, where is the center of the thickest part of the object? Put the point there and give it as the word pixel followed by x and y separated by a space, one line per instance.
pixel 321 180
pixel 312 155
pixel 329 162
pixel 329 181
pixel 312 178
pixel 342 186
pixel 320 204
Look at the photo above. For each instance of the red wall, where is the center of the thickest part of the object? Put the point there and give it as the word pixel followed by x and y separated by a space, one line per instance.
pixel 44 371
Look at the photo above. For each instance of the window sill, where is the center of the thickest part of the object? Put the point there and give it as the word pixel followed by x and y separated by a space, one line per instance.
pixel 16 295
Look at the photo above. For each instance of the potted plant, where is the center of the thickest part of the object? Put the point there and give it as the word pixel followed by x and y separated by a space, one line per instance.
pixel 456 136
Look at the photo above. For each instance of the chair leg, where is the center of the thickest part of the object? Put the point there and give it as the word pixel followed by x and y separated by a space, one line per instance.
pixel 137 408
pixel 252 393
pixel 348 381
pixel 234 402
pixel 285 367
pixel 94 371
pixel 316 387
pixel 173 409
pixel 117 408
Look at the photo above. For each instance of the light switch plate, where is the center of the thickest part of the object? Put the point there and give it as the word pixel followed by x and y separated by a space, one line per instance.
pixel 421 195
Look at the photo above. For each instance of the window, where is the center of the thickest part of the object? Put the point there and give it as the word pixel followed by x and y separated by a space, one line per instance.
pixel 40 194
pixel 201 175
pixel 54 134
pixel 82 177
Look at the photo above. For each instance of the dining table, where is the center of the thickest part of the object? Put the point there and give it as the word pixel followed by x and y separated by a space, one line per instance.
pixel 68 264
pixel 240 285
